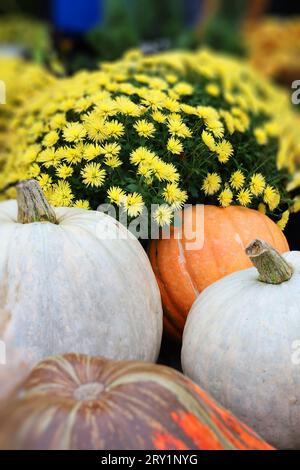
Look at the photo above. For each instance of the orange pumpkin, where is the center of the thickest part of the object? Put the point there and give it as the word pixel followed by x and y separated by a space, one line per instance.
pixel 182 273
pixel 79 402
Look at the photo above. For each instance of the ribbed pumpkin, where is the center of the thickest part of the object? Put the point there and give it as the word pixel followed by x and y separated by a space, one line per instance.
pixel 80 402
pixel 72 280
pixel 241 343
pixel 183 271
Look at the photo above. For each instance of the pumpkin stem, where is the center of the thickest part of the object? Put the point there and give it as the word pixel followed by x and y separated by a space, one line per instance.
pixel 32 204
pixel 272 267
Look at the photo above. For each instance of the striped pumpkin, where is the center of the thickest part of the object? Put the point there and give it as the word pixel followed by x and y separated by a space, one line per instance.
pixel 184 269
pixel 79 402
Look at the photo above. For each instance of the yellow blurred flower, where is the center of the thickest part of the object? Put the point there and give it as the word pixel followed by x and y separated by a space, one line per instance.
pixel 74 131
pixel 257 184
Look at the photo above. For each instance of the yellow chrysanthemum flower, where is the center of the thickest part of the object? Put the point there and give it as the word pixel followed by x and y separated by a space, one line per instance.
pixel 212 89
pixel 163 215
pixel 241 119
pixel 225 197
pixel 126 106
pixel 112 148
pixel 188 109
pixel 174 196
pixel 171 78
pixel 174 146
pixel 50 139
pixel 58 121
pixel 229 121
pixel 224 151
pixel 295 183
pixel 67 105
pixel 272 128
pixel 64 171
pixel 106 108
pixel 114 128
pixel 61 195
pixel 178 128
pixel 49 157
pixel 71 155
pixel 207 113
pixel 261 136
pixel 158 116
pixel 116 195
pixel 34 171
pixel 257 184
pixel 209 141
pixel 282 223
pixel 91 151
pixel 244 197
pixel 211 184
pixel 270 195
pixel 262 208
pixel 153 99
pixel 164 171
pixel 296 205
pixel 73 132
pixel 112 161
pixel 82 204
pixel 275 202
pixel 37 128
pixel 31 153
pixel 141 154
pixel 216 127
pixel 95 128
pixel 183 88
pixel 134 204
pixel 93 175
pixel 172 105
pixel 144 128
pixel 83 105
pixel 146 171
pixel 45 181
pixel 237 179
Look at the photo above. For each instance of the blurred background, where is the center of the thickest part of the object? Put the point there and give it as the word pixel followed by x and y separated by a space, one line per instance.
pixel 80 33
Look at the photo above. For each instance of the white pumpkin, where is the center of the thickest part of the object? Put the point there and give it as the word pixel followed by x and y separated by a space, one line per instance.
pixel 65 285
pixel 241 343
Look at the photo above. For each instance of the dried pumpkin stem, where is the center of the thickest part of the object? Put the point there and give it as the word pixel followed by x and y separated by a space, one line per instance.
pixel 272 267
pixel 32 204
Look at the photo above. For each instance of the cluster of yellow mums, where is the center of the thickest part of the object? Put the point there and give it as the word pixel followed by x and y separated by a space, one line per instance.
pixel 165 129
pixel 22 79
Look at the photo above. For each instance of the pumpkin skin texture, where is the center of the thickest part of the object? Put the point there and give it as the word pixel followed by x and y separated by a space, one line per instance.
pixel 183 273
pixel 63 287
pixel 79 402
pixel 239 344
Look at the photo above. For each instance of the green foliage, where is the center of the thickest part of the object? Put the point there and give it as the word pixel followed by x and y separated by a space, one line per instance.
pixel 221 35
pixel 128 24
pixel 222 32
pixel 117 34
pixel 32 35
